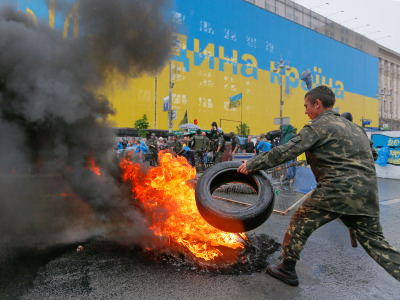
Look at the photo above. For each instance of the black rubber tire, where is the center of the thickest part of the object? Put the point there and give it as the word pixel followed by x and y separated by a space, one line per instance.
pixel 241 220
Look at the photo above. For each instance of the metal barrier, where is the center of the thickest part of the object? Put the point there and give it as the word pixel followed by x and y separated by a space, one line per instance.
pixel 242 156
pixel 282 178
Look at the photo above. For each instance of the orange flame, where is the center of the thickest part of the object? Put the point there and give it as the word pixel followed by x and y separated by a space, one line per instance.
pixel 92 166
pixel 170 202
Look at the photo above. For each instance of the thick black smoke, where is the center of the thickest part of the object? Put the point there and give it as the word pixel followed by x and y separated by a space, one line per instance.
pixel 53 120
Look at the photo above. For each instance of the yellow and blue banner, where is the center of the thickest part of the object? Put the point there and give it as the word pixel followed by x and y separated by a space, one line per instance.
pixel 235 100
pixel 217 55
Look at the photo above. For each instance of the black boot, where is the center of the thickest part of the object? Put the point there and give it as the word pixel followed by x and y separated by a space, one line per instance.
pixel 285 272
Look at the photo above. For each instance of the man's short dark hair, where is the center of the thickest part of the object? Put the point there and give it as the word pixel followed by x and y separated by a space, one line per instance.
pixel 198 131
pixel 322 93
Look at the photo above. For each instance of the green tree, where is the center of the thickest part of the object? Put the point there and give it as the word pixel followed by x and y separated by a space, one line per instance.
pixel 141 125
pixel 244 131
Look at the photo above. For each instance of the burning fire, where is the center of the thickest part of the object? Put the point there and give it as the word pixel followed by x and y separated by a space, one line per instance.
pixel 170 203
pixel 92 166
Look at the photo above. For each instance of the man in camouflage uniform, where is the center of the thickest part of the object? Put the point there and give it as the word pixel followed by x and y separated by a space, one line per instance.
pixel 214 138
pixel 153 149
pixel 206 148
pixel 219 153
pixel 342 160
pixel 235 144
pixel 198 147
pixel 176 145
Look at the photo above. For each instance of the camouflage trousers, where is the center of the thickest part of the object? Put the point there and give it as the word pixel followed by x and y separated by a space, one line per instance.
pixel 367 230
pixel 154 159
pixel 198 159
pixel 218 157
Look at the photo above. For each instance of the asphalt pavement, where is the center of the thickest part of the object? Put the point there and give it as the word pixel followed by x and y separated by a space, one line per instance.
pixel 329 268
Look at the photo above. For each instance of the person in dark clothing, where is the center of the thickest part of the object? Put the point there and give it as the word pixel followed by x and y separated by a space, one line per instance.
pixel 347 116
pixel 219 154
pixel 249 146
pixel 288 132
pixel 256 145
pixel 235 144
pixel 198 148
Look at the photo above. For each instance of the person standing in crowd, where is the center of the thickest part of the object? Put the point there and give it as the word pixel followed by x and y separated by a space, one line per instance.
pixel 260 146
pixel 347 116
pixel 170 143
pixel 235 144
pixel 249 146
pixel 214 130
pixel 214 138
pixel 185 141
pixel 198 148
pixel 153 149
pixel 288 132
pixel 176 145
pixel 266 146
pixel 206 142
pixel 162 144
pixel 219 153
pixel 207 149
pixel 342 159
pixel 256 145
pixel 139 153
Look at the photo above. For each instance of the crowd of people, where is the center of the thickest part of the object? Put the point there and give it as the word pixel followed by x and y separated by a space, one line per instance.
pixel 202 149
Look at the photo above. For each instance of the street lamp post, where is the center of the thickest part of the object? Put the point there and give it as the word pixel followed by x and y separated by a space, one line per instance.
pixel 348 20
pixel 283 65
pixel 372 32
pixel 326 3
pixel 366 25
pixel 383 37
pixel 171 85
pixel 335 13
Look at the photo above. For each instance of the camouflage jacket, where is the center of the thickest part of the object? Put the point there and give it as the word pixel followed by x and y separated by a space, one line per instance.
pixel 152 142
pixel 207 145
pixel 342 160
pixel 221 142
pixel 177 146
pixel 235 143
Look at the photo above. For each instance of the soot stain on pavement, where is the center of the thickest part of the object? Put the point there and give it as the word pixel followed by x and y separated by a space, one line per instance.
pixel 62 271
pixel 253 258
pixel 21 265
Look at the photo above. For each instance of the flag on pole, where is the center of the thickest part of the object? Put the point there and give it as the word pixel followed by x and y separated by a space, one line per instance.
pixel 235 100
pixel 184 120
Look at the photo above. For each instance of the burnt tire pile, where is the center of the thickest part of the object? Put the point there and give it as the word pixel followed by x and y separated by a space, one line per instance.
pixel 240 220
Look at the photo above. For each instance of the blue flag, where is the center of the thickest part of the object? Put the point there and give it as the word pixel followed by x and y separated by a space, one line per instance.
pixel 235 100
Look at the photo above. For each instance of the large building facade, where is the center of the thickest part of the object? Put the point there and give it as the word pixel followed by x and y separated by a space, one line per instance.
pixel 228 47
pixel 388 93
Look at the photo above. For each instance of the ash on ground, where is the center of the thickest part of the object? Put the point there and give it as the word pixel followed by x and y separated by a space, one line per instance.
pixel 253 258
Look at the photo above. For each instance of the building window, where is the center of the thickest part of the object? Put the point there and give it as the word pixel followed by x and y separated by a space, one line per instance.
pixel 280 9
pixel 306 21
pixel 270 5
